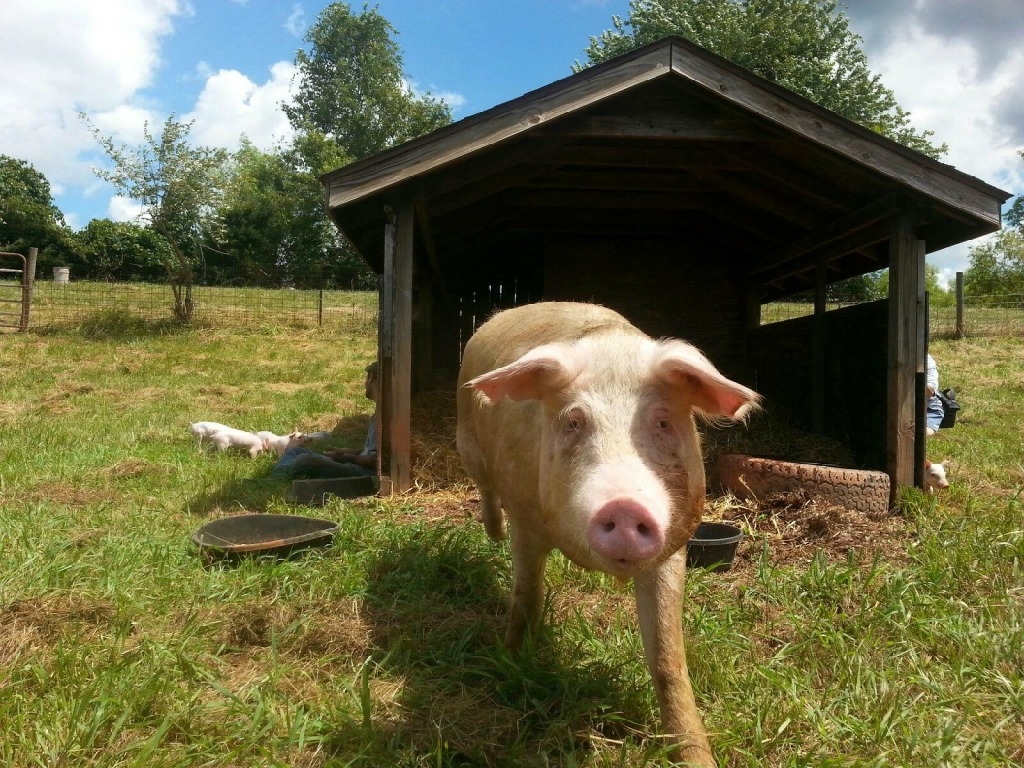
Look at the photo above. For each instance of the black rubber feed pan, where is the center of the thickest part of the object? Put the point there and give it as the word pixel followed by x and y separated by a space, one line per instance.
pixel 262 534
pixel 713 546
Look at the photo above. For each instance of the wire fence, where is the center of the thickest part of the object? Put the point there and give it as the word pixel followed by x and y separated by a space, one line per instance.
pixel 979 315
pixel 74 304
pixel 71 304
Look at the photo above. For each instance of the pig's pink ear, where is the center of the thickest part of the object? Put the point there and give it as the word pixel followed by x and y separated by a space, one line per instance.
pixel 693 375
pixel 536 373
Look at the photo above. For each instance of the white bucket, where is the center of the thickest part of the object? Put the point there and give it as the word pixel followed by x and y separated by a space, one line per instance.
pixel 61 275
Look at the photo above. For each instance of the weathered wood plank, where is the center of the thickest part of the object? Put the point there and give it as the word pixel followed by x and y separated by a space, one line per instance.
pixel 904 270
pixel 669 126
pixel 401 362
pixel 489 128
pixel 781 107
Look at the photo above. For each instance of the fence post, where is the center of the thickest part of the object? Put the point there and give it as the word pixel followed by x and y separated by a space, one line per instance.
pixel 320 308
pixel 959 305
pixel 28 281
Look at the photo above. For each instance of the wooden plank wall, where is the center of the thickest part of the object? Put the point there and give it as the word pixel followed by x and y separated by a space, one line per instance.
pixel 853 377
pixel 663 288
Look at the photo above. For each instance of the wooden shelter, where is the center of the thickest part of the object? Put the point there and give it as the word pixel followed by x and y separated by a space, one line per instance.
pixel 684 192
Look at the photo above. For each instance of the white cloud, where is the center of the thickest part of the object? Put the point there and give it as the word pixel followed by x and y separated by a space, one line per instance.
pixel 296 23
pixel 90 56
pixel 124 209
pixel 949 88
pixel 231 105
pixel 937 81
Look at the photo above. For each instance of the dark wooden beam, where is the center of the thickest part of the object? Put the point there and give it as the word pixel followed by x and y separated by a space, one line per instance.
pixel 396 346
pixel 843 227
pixel 427 235
pixel 859 241
pixel 666 126
pixel 905 253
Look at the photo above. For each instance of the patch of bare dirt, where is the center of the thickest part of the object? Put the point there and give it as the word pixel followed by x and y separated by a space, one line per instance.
pixel 62 492
pixel 40 623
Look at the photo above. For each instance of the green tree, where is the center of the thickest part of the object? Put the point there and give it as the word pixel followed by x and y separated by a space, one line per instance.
pixel 804 45
pixel 272 229
pixel 997 266
pixel 28 215
pixel 938 294
pixel 1015 216
pixel 122 250
pixel 179 186
pixel 352 88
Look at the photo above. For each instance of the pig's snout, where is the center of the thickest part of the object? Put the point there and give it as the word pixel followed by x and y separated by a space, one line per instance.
pixel 626 532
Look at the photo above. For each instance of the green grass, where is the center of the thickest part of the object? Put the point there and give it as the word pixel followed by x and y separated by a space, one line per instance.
pixel 118 648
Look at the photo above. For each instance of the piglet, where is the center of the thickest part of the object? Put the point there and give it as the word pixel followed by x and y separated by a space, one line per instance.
pixel 935 476
pixel 206 429
pixel 281 443
pixel 581 428
pixel 229 437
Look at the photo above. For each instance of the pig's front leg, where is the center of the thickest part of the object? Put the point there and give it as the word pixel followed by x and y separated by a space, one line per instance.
pixel 659 607
pixel 529 554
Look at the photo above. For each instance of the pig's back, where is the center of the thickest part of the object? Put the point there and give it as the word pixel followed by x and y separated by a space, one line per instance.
pixel 511 333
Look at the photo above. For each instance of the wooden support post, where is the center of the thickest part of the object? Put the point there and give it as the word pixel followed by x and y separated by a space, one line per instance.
pixel 959 305
pixel 400 428
pixel 385 353
pixel 818 351
pixel 752 327
pixel 28 283
pixel 905 253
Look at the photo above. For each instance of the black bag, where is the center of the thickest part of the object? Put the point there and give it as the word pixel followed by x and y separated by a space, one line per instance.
pixel 949 408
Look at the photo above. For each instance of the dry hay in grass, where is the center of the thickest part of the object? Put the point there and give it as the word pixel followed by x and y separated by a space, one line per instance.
pixel 61 492
pixel 435 460
pixel 772 436
pixel 42 622
pixel 437 466
pixel 796 526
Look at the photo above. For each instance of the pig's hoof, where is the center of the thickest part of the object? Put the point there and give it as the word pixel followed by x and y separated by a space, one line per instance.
pixel 753 477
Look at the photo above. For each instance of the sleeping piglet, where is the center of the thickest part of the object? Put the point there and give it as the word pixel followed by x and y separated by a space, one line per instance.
pixel 581 428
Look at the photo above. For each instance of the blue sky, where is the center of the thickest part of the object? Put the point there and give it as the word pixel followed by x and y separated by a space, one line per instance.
pixel 228 64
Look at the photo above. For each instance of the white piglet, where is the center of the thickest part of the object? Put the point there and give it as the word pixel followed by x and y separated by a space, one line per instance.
pixel 206 429
pixel 229 437
pixel 281 443
pixel 935 476
pixel 581 428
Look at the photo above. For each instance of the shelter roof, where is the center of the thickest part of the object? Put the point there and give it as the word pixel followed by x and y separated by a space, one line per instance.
pixel 667 141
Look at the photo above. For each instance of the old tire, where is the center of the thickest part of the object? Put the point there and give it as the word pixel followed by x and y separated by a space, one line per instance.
pixel 753 477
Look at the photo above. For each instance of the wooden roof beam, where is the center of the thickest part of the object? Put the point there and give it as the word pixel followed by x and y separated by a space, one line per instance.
pixel 668 126
pixel 879 210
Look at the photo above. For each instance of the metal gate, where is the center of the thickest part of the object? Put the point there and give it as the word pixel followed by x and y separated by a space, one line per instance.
pixel 16 289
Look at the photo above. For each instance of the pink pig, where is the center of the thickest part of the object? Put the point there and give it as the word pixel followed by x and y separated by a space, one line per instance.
pixel 581 428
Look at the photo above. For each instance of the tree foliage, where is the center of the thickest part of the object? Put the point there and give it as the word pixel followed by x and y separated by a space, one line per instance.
pixel 28 216
pixel 351 87
pixel 804 45
pixel 938 294
pixel 271 227
pixel 178 186
pixel 123 251
pixel 997 265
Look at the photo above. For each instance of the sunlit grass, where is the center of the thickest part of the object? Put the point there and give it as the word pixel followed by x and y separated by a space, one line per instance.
pixel 117 647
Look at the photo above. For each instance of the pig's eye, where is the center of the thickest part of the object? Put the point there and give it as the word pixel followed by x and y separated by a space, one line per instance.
pixel 664 430
pixel 573 424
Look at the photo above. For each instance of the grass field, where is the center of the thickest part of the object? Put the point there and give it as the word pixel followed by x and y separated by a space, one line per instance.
pixel 119 648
